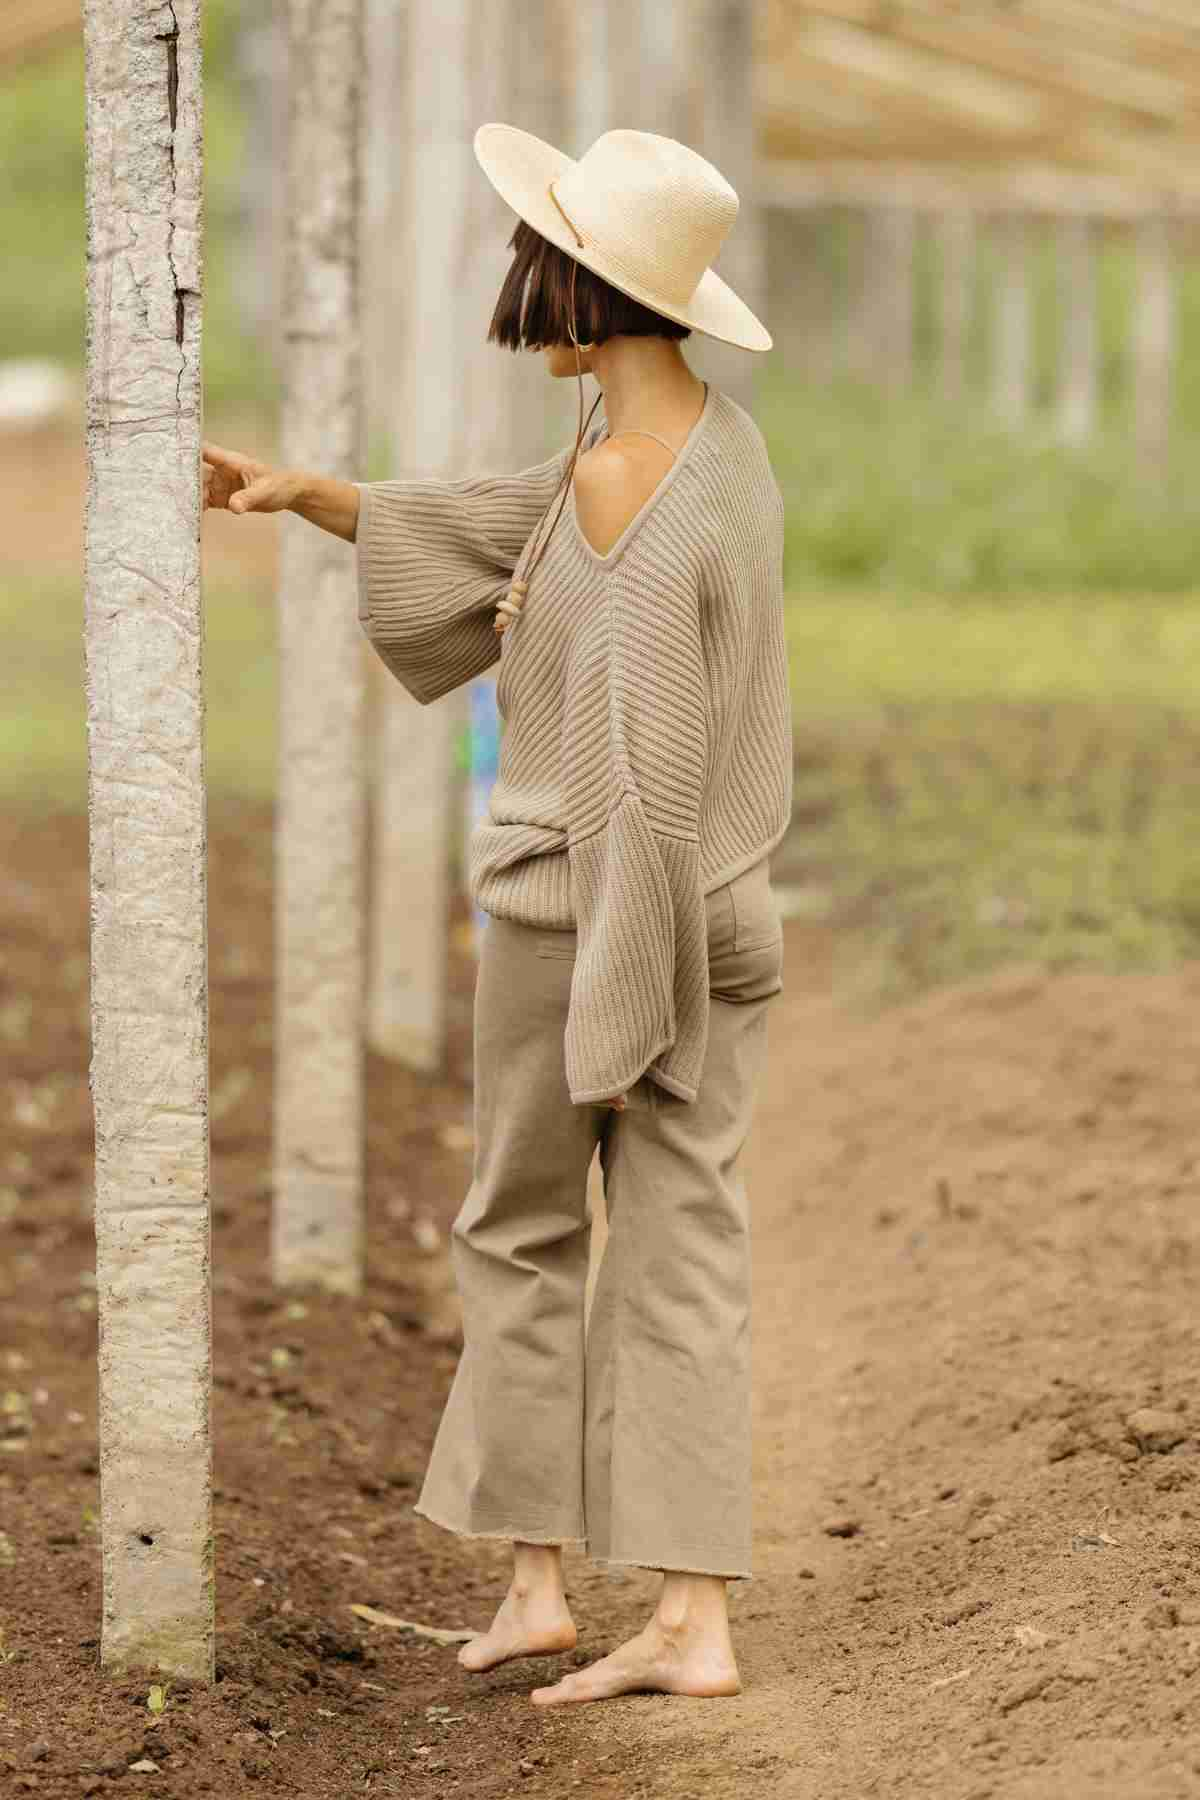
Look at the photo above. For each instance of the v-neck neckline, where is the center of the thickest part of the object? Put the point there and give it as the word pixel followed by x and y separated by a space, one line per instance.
pixel 639 518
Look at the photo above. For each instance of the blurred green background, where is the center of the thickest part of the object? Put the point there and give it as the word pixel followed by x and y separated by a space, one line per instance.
pixel 994 639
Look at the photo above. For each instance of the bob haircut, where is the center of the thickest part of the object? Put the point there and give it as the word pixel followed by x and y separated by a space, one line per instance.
pixel 534 306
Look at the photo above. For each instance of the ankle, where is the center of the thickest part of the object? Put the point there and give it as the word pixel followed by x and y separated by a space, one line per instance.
pixel 537 1571
pixel 691 1605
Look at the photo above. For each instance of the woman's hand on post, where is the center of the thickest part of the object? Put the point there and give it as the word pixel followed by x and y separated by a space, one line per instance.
pixel 617 1102
pixel 240 484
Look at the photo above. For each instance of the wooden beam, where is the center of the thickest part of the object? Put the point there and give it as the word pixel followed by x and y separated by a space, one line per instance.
pixel 969 46
pixel 1032 187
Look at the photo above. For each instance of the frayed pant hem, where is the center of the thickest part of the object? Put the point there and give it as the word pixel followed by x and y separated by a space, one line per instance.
pixel 508 1533
pixel 633 1562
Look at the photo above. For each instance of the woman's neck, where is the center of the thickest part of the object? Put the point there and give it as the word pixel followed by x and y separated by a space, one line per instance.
pixel 646 382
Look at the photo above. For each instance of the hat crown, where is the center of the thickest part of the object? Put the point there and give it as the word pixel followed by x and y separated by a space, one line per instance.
pixel 657 209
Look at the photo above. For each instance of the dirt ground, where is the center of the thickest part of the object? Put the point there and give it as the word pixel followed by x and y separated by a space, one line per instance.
pixel 977 1222
pixel 977 1343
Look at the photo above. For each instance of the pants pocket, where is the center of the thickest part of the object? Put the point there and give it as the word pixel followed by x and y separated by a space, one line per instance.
pixel 749 973
pixel 756 918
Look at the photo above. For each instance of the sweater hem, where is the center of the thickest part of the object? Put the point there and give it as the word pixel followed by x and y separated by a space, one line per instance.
pixel 591 1096
pixel 679 1088
pixel 586 1096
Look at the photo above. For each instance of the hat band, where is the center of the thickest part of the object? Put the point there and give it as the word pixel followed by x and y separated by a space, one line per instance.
pixel 570 221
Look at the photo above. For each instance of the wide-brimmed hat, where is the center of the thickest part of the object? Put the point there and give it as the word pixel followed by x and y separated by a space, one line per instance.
pixel 642 211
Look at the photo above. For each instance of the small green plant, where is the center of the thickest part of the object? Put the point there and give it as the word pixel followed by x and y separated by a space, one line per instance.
pixel 156 1699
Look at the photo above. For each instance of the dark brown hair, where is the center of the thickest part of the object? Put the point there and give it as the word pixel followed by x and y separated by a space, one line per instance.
pixel 534 306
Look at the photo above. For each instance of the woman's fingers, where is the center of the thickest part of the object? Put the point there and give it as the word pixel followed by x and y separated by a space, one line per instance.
pixel 231 460
pixel 241 485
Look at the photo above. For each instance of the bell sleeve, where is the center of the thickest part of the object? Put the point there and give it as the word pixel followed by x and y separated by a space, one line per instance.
pixel 432 558
pixel 635 746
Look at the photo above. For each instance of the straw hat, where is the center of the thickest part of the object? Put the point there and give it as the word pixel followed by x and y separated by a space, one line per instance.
pixel 643 211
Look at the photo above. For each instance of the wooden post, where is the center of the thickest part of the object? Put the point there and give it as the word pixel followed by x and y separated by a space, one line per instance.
pixel 1153 340
pixel 317 1229
pixel 798 299
pixel 897 226
pixel 1079 350
pixel 880 327
pixel 143 637
pixel 954 233
pixel 1012 333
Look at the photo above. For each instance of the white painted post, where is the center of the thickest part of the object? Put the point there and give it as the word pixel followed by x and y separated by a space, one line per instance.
pixel 955 236
pixel 386 250
pixel 415 787
pixel 258 247
pixel 143 637
pixel 652 43
pixel 1153 341
pixel 1012 337
pixel 867 280
pixel 880 328
pixel 722 96
pixel 534 58
pixel 317 1223
pixel 1079 342
pixel 596 35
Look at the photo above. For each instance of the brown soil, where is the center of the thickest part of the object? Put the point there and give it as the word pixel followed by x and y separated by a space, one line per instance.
pixel 976 1239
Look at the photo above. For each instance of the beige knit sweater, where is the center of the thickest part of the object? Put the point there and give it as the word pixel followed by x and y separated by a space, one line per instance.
pixel 646 754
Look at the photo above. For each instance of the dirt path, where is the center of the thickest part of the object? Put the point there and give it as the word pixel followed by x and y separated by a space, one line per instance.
pixel 977 1241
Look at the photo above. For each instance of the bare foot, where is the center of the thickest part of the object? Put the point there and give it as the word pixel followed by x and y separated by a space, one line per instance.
pixel 532 1620
pixel 687 1658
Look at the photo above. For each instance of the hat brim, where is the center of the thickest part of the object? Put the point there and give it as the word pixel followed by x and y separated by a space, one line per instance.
pixel 521 167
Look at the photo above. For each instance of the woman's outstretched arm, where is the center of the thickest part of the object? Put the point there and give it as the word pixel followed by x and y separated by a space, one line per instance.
pixel 242 484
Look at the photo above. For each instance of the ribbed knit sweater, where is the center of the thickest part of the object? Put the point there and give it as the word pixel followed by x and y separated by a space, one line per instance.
pixel 646 750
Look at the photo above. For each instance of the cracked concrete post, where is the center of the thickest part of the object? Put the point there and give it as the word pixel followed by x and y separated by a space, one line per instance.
pixel 143 639
pixel 320 829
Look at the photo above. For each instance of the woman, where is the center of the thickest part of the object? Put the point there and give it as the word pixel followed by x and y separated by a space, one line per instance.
pixel 633 941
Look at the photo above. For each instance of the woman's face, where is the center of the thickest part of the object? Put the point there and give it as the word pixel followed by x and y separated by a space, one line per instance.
pixel 560 360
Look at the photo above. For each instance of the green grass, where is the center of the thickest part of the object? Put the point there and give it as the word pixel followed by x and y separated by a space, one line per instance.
pixel 909 494
pixel 980 781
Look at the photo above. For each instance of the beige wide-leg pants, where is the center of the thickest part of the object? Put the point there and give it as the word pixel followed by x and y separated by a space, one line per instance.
pixel 632 1439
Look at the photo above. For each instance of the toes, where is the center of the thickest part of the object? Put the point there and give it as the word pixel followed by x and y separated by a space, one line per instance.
pixel 558 1690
